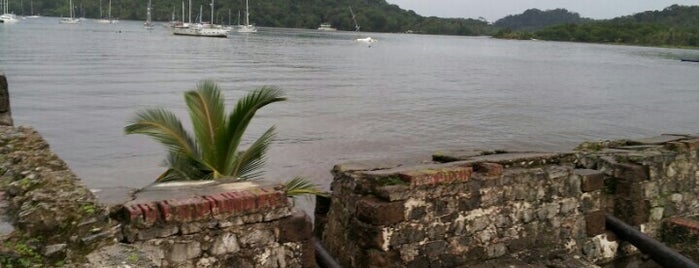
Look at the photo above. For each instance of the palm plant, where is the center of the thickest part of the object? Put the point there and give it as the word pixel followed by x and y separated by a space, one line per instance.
pixel 212 153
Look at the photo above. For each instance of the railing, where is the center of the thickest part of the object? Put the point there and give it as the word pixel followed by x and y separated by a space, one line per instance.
pixel 657 251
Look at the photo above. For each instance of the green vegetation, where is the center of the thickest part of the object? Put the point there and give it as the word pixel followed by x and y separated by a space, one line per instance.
pixel 676 26
pixel 534 19
pixel 213 152
pixel 372 16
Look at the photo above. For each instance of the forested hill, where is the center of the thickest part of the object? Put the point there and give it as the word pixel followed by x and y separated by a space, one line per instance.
pixel 535 19
pixel 371 15
pixel 673 26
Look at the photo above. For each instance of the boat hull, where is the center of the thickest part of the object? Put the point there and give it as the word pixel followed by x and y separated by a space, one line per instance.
pixel 690 60
pixel 201 32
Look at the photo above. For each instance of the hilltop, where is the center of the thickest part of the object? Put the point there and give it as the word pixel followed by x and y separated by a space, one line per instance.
pixel 676 26
pixel 535 19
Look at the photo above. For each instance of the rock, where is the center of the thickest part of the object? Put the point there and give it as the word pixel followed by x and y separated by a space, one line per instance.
pixel 5 112
pixel 53 251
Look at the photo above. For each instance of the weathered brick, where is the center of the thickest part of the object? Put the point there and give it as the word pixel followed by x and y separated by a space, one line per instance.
pixel 594 223
pixel 631 172
pixel 488 169
pixel 378 212
pixel 297 227
pixel 592 180
pixel 436 176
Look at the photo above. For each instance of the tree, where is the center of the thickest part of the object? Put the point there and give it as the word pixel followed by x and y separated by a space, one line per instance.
pixel 213 152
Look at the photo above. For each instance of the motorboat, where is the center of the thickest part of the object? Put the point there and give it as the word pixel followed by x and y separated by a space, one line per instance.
pixel 326 27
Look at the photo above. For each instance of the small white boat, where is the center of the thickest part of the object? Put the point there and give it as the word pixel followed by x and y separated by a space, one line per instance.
pixel 367 40
pixel 109 19
pixel 72 19
pixel 326 27
pixel 247 28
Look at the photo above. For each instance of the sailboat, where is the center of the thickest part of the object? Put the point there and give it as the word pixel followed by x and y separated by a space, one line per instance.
pixel 149 23
pixel 32 16
pixel 109 19
pixel 247 28
pixel 6 16
pixel 72 19
pixel 201 29
pixel 366 40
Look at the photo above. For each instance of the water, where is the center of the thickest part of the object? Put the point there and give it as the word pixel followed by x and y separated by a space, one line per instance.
pixel 407 95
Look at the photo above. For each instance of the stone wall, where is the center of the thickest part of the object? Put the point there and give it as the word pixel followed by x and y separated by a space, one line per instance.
pixel 49 219
pixel 215 224
pixel 466 208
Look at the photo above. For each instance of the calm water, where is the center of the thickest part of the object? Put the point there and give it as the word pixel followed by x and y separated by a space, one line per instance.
pixel 408 95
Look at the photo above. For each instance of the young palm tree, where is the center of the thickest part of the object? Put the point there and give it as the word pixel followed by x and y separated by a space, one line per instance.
pixel 213 152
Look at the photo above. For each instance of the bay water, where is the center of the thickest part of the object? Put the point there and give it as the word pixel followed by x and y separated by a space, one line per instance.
pixel 404 96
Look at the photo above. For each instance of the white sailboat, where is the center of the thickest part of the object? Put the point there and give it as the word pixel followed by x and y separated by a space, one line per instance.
pixel 149 23
pixel 7 17
pixel 109 19
pixel 72 19
pixel 201 29
pixel 247 28
pixel 32 16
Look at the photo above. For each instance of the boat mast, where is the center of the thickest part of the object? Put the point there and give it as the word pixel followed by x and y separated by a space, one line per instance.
pixel 200 9
pixel 190 11
pixel 148 19
pixel 109 13
pixel 354 18
pixel 212 12
pixel 247 13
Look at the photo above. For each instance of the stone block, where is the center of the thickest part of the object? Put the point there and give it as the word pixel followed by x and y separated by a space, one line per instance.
pixel 592 180
pixel 489 170
pixel 594 223
pixel 433 176
pixel 297 227
pixel 378 212
pixel 630 172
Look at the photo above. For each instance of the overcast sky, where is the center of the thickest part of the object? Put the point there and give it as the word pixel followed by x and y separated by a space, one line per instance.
pixel 493 10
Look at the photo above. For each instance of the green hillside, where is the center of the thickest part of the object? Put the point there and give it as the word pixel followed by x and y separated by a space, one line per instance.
pixel 676 26
pixel 372 15
pixel 535 19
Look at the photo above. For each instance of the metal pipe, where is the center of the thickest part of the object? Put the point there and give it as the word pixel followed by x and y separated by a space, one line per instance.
pixel 323 258
pixel 657 251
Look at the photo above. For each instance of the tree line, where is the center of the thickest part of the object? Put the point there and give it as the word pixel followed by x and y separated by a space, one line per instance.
pixel 371 15
pixel 676 26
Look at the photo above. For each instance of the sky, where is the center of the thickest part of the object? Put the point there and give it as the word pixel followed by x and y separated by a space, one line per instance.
pixel 493 10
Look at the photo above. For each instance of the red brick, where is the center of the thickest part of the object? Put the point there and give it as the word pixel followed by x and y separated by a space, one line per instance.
pixel 436 176
pixel 691 226
pixel 150 213
pixel 133 213
pixel 212 204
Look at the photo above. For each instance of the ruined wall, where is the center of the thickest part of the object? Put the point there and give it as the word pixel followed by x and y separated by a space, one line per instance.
pixel 49 219
pixel 535 207
pixel 218 225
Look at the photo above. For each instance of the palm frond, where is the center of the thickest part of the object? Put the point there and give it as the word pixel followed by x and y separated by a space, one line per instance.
pixel 164 127
pixel 251 160
pixel 183 168
pixel 207 111
pixel 243 113
pixel 302 186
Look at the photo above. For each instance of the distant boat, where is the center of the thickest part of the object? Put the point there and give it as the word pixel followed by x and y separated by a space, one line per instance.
pixel 367 40
pixel 6 16
pixel 201 29
pixel 690 60
pixel 109 19
pixel 72 19
pixel 326 27
pixel 32 16
pixel 149 23
pixel 247 28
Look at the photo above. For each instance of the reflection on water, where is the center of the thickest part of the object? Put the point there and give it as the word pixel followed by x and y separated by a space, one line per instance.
pixel 406 95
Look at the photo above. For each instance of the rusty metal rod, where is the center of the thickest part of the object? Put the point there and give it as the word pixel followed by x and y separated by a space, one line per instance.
pixel 323 258
pixel 657 251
